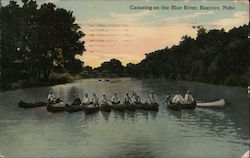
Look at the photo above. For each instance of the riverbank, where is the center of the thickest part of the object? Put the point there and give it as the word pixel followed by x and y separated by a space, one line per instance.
pixel 54 79
pixel 63 78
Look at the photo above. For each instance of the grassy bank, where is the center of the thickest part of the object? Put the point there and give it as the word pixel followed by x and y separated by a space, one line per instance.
pixel 54 79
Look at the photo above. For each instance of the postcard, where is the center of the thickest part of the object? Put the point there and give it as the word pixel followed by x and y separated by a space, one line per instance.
pixel 124 79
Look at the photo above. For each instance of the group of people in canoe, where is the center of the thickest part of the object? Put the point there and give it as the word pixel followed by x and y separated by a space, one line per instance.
pixel 177 98
pixel 177 102
pixel 94 100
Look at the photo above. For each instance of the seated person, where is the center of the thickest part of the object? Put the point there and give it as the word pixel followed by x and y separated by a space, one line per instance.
pixel 95 99
pixel 86 100
pixel 151 99
pixel 188 97
pixel 136 98
pixel 127 99
pixel 52 98
pixel 177 99
pixel 114 99
pixel 104 100
pixel 77 100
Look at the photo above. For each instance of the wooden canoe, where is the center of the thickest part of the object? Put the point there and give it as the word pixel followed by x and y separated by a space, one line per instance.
pixel 118 108
pixel 105 107
pixel 58 107
pixel 90 109
pixel 175 107
pixel 218 103
pixel 26 105
pixel 188 105
pixel 146 106
pixel 73 108
pixel 153 107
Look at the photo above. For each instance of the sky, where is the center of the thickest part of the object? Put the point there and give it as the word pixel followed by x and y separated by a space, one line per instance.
pixel 114 30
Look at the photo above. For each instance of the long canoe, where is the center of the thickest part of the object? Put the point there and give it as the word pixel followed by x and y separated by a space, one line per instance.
pixel 218 103
pixel 73 108
pixel 90 109
pixel 175 107
pixel 105 107
pixel 147 106
pixel 118 107
pixel 26 105
pixel 128 107
pixel 153 107
pixel 188 105
pixel 58 107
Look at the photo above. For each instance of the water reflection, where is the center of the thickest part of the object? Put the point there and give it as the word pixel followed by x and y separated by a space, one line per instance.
pixel 106 115
pixel 217 133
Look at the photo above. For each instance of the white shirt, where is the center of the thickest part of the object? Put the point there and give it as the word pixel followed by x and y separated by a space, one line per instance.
pixel 151 98
pixel 178 99
pixel 51 97
pixel 136 98
pixel 86 100
pixel 104 100
pixel 114 99
pixel 127 99
pixel 95 100
pixel 188 98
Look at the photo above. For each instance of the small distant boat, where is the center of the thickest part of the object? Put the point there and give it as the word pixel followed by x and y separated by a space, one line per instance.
pixel 26 105
pixel 99 80
pixel 107 80
pixel 57 107
pixel 105 108
pixel 218 103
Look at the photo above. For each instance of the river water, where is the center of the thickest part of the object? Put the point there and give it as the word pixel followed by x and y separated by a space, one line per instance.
pixel 201 133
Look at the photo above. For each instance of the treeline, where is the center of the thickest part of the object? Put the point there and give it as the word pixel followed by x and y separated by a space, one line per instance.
pixel 112 68
pixel 37 42
pixel 214 56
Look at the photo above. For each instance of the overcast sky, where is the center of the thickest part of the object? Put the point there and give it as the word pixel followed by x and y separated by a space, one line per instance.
pixel 113 30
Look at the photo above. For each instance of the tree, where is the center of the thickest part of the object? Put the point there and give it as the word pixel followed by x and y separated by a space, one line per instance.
pixel 37 40
pixel 113 66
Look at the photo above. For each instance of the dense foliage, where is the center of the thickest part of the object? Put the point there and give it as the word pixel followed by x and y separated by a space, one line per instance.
pixel 215 56
pixel 37 42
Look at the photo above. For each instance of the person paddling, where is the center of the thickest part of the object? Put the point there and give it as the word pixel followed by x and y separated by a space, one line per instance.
pixel 104 100
pixel 77 100
pixel 151 99
pixel 86 99
pixel 168 98
pixel 114 99
pixel 127 99
pixel 188 97
pixel 52 98
pixel 177 98
pixel 136 98
pixel 95 100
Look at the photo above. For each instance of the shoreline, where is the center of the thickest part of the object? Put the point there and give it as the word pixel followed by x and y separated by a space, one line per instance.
pixel 79 77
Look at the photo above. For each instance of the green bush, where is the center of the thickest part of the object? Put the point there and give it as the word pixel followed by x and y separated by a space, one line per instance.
pixel 59 78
